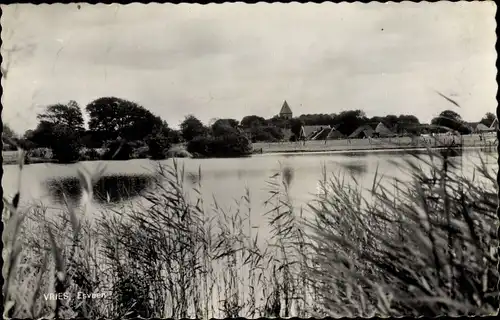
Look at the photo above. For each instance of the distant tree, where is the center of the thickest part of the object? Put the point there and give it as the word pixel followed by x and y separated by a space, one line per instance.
pixel 191 128
pixel 266 134
pixel 60 129
pixel 390 120
pixel 224 126
pixel 408 123
pixel 449 119
pixel 488 119
pixel 316 119
pixel 230 145
pixel 9 138
pixel 118 149
pixel 253 121
pixel 64 115
pixel 158 142
pixel 112 117
pixel 348 121
pixel 295 125
pixel 277 121
pixel 175 136
pixel 65 144
pixel 8 132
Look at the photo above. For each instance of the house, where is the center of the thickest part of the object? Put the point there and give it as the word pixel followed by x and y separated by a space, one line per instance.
pixel 362 132
pixel 494 125
pixel 472 126
pixel 286 112
pixel 482 128
pixel 312 132
pixel 334 134
pixel 382 131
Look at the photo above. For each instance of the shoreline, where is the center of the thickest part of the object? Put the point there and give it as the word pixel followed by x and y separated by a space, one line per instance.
pixel 371 150
pixel 311 147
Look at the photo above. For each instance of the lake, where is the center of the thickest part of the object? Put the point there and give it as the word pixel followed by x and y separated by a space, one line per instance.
pixel 223 179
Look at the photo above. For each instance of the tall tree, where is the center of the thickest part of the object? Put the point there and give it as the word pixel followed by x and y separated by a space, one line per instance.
pixel 449 119
pixel 252 121
pixel 224 126
pixel 295 125
pixel 60 129
pixel 192 127
pixel 112 117
pixel 348 121
pixel 488 119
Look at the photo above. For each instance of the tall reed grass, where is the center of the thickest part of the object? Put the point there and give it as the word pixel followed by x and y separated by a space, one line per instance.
pixel 420 248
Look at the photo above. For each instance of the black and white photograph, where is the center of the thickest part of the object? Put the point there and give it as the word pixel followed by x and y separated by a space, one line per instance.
pixel 242 160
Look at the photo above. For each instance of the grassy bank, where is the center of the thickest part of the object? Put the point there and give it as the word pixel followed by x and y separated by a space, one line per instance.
pixel 432 252
pixel 380 145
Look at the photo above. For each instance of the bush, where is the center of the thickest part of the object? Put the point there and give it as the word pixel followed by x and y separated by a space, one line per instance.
pixel 158 145
pixel 231 145
pixel 90 155
pixel 141 153
pixel 118 150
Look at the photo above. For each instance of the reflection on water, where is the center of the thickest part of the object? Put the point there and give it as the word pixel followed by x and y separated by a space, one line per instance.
pixel 109 189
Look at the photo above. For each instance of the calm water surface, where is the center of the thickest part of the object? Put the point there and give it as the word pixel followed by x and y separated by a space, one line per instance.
pixel 224 179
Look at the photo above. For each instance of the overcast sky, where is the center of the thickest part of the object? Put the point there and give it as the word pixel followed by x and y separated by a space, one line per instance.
pixel 232 60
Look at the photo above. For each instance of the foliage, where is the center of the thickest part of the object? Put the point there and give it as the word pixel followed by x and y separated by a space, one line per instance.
pixel 60 129
pixel 228 145
pixel 191 128
pixel 113 117
pixel 348 121
pixel 253 121
pixel 296 126
pixel 267 134
pixel 488 119
pixel 175 136
pixel 450 120
pixel 158 144
pixel 65 144
pixel 90 155
pixel 118 149
pixel 224 127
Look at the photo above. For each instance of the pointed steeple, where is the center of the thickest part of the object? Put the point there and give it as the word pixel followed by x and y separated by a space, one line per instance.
pixel 285 109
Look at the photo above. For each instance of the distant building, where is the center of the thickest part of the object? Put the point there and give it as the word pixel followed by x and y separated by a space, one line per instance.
pixel 382 131
pixel 286 112
pixel 362 132
pixel 494 125
pixel 313 132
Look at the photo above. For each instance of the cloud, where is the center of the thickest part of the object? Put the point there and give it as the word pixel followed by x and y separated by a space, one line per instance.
pixel 233 60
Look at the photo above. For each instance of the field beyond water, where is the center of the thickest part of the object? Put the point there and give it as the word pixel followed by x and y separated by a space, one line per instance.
pixel 420 247
pixel 375 144
pixel 344 145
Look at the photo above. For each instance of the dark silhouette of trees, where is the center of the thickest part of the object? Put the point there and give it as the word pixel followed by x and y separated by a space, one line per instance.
pixel 9 138
pixel 191 128
pixel 60 129
pixel 223 139
pixel 348 121
pixel 295 126
pixel 450 120
pixel 118 149
pixel 112 117
pixel 488 119
pixel 158 142
pixel 253 121
pixel 224 127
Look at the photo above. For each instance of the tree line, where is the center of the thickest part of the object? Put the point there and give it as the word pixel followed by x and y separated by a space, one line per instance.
pixel 125 130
